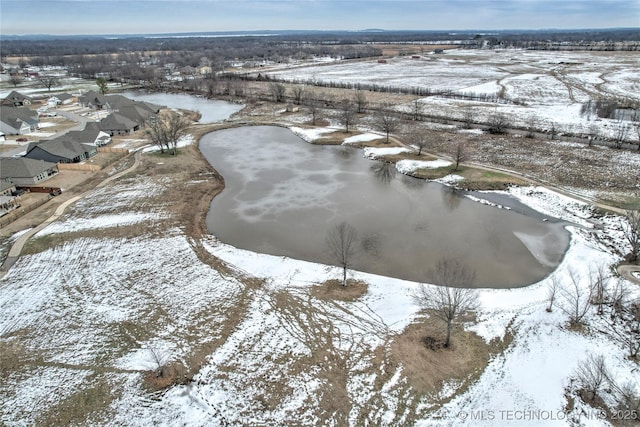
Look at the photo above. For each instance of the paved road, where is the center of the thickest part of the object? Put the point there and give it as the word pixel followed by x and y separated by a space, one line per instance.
pixel 18 245
pixel 627 270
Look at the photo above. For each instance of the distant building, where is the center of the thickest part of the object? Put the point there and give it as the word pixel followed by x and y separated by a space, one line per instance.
pixel 16 99
pixel 17 121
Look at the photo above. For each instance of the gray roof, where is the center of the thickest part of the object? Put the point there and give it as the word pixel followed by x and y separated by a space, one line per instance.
pixel 15 96
pixel 63 96
pixel 14 115
pixel 60 147
pixel 94 98
pixel 88 135
pixel 135 112
pixel 21 167
pixel 5 184
pixel 116 121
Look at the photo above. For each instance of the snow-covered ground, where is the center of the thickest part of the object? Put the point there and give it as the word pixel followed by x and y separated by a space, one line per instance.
pixel 91 309
pixel 548 87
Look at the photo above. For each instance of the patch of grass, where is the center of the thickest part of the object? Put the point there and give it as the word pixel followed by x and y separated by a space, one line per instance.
pixel 333 290
pixel 432 173
pixel 80 406
pixel 39 244
pixel 333 138
pixel 622 202
pixel 482 179
pixel 394 158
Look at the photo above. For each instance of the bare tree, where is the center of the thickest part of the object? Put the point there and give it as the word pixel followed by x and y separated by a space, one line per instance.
pixel 599 278
pixel 342 241
pixel 498 123
pixel 15 79
pixel 387 120
pixel 165 132
pixel 532 124
pixel 416 138
pixel 620 134
pixel 592 376
pixel 576 299
pixel 627 399
pixel 48 81
pixel 347 114
pixel 159 360
pixel 360 99
pixel 624 326
pixel 417 109
pixel 552 290
pixel 298 93
pixel 314 110
pixel 467 117
pixel 450 299
pixel 553 131
pixel 631 231
pixel 460 154
pixel 277 91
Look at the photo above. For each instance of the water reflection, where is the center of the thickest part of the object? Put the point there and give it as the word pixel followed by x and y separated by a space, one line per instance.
pixel 385 172
pixel 451 197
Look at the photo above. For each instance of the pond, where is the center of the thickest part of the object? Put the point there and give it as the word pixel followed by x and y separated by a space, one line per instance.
pixel 212 110
pixel 282 195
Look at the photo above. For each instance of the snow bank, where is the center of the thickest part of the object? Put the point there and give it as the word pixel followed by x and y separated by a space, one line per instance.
pixel 374 153
pixel 364 137
pixel 410 166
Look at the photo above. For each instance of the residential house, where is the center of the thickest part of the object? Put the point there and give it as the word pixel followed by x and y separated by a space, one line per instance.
pixel 136 112
pixel 60 150
pixel 91 134
pixel 94 100
pixel 18 121
pixel 60 99
pixel 21 171
pixel 16 99
pixel 7 188
pixel 9 200
pixel 117 124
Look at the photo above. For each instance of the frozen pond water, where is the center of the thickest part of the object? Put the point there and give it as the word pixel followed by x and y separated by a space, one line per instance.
pixel 212 110
pixel 282 195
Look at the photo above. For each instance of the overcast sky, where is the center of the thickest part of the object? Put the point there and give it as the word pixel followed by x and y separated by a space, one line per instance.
pixel 176 16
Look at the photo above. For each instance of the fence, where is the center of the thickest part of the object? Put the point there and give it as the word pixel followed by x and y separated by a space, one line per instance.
pixel 113 150
pixel 78 167
pixel 23 210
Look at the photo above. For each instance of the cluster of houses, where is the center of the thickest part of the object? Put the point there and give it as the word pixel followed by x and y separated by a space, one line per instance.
pixel 40 160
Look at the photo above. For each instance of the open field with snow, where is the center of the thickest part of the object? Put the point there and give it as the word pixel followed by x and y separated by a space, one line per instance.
pixel 123 287
pixel 547 88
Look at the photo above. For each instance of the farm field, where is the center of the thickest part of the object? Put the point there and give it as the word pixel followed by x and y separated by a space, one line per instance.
pixel 548 87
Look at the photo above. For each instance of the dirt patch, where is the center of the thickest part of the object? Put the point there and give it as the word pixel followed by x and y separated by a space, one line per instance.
pixel 333 290
pixel 426 370
pixel 174 373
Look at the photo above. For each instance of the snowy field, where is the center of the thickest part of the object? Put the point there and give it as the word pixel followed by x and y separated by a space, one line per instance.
pixel 548 87
pixel 94 314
